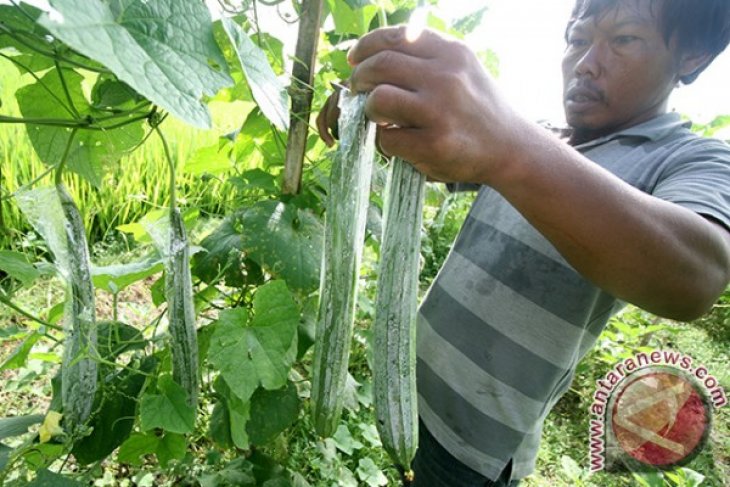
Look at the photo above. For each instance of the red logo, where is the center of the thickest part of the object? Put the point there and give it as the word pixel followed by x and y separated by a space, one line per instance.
pixel 659 418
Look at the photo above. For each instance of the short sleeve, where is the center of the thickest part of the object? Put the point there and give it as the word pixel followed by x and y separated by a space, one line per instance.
pixel 698 178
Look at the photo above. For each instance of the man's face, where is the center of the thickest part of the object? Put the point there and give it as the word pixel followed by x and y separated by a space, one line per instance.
pixel 617 69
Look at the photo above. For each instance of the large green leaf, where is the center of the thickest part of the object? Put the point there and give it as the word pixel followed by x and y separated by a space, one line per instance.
pixel 170 447
pixel 136 446
pixel 18 267
pixel 286 241
pixel 164 49
pixel 267 90
pixel 168 410
pixel 19 357
pixel 114 278
pixel 259 352
pixel 18 425
pixel 271 413
pixel 4 455
pixel 222 255
pixel 33 37
pixel 353 19
pixel 46 478
pixel 115 338
pixel 114 415
pixel 92 151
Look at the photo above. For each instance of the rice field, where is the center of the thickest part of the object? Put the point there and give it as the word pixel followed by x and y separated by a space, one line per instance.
pixel 135 186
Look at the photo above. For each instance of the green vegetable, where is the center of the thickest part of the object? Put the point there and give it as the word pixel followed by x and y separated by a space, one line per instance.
pixel 344 233
pixel 79 367
pixel 394 326
pixel 181 310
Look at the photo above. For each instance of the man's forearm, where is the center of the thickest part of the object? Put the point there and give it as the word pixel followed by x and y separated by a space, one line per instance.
pixel 652 253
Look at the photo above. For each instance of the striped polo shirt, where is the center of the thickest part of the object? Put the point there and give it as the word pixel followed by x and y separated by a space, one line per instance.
pixel 507 319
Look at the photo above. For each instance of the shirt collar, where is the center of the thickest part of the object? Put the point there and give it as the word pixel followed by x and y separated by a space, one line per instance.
pixel 654 129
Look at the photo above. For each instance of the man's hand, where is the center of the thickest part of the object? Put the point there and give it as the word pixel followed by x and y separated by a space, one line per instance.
pixel 439 108
pixel 327 118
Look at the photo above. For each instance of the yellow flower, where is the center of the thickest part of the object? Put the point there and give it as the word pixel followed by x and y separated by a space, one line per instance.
pixel 50 426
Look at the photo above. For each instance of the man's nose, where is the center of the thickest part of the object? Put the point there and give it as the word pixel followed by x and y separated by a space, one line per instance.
pixel 591 62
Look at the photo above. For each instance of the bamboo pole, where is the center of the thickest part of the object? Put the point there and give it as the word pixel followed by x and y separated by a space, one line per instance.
pixel 301 93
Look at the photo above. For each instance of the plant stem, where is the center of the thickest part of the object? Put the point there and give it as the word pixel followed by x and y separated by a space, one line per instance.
pixel 71 105
pixel 171 165
pixel 7 302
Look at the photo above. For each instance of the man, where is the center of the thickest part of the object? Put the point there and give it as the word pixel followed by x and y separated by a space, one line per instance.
pixel 633 208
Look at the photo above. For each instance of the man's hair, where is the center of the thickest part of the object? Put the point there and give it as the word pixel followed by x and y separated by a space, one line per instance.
pixel 700 26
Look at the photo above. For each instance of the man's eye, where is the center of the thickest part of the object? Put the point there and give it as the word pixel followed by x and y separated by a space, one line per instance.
pixel 577 42
pixel 622 40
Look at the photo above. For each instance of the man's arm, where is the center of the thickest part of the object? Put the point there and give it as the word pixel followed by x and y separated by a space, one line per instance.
pixel 653 253
pixel 453 125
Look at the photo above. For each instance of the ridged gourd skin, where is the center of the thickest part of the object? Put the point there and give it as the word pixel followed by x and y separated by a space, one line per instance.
pixel 181 309
pixel 79 365
pixel 394 326
pixel 346 216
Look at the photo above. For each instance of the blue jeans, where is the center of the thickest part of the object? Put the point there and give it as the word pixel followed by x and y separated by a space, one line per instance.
pixel 435 467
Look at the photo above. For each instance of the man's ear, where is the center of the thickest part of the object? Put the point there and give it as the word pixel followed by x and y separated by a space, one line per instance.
pixel 691 64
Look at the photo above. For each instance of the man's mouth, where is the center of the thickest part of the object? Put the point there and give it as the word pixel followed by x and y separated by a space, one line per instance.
pixel 582 97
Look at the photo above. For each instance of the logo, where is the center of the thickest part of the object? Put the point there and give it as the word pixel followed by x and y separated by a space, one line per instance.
pixel 659 417
pixel 652 411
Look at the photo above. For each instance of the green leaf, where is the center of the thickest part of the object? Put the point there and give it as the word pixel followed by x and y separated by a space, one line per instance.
pixel 260 352
pixel 271 413
pixel 18 425
pixel 238 412
pixel 286 241
pixel 209 160
pixel 137 446
pixel 19 357
pixel 344 440
pixel 171 447
pixel 115 406
pixel 238 472
pixel 255 180
pixel 168 410
pixel 43 454
pixel 349 20
pixel 223 255
pixel 270 95
pixel 114 338
pixel 92 152
pixel 114 278
pixel 110 93
pixel 467 24
pixel 17 266
pixel 34 36
pixel 164 49
pixel 4 455
pixel 369 473
pixel 219 428
pixel 46 478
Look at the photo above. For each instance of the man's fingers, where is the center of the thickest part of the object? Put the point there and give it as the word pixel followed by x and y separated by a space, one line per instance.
pixel 323 128
pixel 391 67
pixel 395 39
pixel 391 105
pixel 327 119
